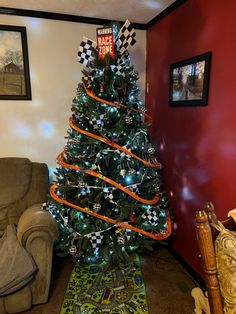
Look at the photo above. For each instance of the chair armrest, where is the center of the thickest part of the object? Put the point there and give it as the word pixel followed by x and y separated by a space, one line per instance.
pixel 36 219
pixel 37 231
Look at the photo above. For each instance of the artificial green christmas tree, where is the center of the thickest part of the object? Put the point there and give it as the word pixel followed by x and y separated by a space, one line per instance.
pixel 107 197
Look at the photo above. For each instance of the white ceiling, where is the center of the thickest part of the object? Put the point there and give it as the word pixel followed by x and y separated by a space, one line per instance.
pixel 137 11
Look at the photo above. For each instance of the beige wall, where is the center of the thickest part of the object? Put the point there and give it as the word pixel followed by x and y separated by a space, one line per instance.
pixel 36 129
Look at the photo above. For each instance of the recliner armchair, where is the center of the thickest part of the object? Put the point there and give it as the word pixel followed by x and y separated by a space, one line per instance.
pixel 23 188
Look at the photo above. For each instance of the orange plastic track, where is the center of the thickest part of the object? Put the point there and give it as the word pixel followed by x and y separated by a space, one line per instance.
pixel 116 104
pixel 157 236
pixel 108 180
pixel 104 140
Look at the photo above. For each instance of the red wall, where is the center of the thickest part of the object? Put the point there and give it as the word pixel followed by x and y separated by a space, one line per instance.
pixel 196 145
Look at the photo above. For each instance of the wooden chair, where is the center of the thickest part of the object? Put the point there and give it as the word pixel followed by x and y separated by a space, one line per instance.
pixel 206 236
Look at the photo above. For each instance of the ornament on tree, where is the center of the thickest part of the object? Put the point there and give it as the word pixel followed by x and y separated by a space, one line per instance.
pixel 96 207
pixel 81 184
pixel 142 108
pixel 73 250
pixel 151 217
pixel 101 87
pixel 85 191
pixel 97 122
pixel 95 239
pixel 79 90
pixel 110 197
pixel 131 172
pixel 131 218
pixel 128 120
pixel 88 80
pixel 122 172
pixel 120 240
pixel 151 150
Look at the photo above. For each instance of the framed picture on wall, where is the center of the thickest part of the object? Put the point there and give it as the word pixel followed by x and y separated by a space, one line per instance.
pixel 189 81
pixel 14 64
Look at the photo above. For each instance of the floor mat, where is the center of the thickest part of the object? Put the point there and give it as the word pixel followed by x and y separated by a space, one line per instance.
pixel 101 288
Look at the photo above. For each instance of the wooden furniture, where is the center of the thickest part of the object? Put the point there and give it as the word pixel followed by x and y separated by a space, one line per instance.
pixel 206 236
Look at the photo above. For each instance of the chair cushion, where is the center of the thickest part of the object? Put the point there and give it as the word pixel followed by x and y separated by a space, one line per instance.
pixel 225 251
pixel 15 179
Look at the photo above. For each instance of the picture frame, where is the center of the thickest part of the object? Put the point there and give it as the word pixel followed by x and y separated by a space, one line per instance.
pixel 189 81
pixel 14 64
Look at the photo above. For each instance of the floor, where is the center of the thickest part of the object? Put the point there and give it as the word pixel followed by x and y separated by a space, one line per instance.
pixel 168 284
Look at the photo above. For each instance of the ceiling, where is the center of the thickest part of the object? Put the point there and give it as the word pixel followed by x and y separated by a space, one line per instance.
pixel 137 11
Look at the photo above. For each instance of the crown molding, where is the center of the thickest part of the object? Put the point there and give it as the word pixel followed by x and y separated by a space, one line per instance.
pixel 88 20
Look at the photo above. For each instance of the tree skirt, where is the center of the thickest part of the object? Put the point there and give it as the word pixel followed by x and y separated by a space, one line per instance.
pixel 102 288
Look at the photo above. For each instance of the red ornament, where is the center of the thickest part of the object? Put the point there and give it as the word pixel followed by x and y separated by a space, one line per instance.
pixel 101 86
pixel 131 218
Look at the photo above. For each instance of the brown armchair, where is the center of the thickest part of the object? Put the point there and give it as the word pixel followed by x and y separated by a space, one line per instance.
pixel 23 188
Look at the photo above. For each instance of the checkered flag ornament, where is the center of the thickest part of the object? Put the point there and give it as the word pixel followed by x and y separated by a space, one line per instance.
pixel 97 122
pixel 88 80
pixel 95 239
pixel 85 53
pixel 125 37
pixel 151 217
pixel 118 70
pixel 133 188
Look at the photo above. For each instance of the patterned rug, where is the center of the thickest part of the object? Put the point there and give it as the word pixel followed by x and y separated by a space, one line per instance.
pixel 101 288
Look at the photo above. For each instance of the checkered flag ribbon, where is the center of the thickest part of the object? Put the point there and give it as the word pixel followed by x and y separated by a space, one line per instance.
pixel 133 188
pixel 85 53
pixel 97 122
pixel 123 154
pixel 95 239
pixel 88 81
pixel 151 217
pixel 118 70
pixel 128 234
pixel 49 207
pixel 125 37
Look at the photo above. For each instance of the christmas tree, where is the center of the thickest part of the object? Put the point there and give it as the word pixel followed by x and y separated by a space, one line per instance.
pixel 107 196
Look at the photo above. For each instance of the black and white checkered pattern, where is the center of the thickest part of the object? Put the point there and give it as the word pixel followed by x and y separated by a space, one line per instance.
pixel 88 81
pixel 123 154
pixel 95 239
pixel 118 70
pixel 85 52
pixel 97 122
pixel 123 59
pixel 133 188
pixel 125 37
pixel 151 216
pixel 128 234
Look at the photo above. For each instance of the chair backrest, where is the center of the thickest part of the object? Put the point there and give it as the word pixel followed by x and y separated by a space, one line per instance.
pixel 206 236
pixel 22 184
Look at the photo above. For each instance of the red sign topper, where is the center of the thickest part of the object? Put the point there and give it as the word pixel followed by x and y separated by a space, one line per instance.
pixel 105 42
